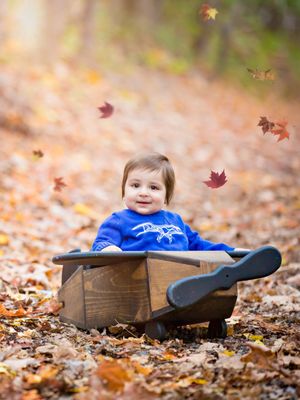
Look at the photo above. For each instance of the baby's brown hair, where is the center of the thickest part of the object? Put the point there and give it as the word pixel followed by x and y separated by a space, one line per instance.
pixel 152 162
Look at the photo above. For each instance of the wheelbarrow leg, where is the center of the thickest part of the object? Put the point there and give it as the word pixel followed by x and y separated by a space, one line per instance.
pixel 156 330
pixel 217 328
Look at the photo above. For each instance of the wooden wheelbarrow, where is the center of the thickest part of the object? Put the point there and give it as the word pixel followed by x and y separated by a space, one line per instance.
pixel 154 290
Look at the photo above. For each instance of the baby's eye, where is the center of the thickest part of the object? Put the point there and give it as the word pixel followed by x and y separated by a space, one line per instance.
pixel 135 185
pixel 154 187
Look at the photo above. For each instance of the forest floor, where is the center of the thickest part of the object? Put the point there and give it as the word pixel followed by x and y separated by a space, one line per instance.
pixel 50 128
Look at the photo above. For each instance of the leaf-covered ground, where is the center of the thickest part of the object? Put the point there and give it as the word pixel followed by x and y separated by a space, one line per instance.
pixel 51 134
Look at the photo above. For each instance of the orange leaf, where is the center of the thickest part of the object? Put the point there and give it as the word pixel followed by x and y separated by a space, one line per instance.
pixel 114 375
pixel 281 131
pixel 8 313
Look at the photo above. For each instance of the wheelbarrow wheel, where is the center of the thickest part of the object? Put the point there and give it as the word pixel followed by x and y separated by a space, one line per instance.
pixel 217 328
pixel 156 330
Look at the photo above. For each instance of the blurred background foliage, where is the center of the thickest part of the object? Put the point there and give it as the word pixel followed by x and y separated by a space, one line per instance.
pixel 168 35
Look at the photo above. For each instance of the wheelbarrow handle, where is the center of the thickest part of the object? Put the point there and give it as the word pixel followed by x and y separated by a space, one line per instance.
pixel 256 264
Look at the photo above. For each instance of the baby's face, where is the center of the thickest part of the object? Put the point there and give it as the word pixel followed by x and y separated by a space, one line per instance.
pixel 145 191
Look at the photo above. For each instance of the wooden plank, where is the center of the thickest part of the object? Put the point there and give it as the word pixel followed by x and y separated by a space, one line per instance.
pixel 72 296
pixel 162 273
pixel 98 258
pixel 192 257
pixel 116 294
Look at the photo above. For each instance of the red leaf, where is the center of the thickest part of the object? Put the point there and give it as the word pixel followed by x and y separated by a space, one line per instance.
pixel 282 132
pixel 216 180
pixel 265 124
pixel 58 184
pixel 106 110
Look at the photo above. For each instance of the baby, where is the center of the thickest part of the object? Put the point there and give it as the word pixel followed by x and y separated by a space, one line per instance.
pixel 147 185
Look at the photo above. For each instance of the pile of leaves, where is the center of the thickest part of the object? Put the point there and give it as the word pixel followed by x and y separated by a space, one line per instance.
pixel 61 169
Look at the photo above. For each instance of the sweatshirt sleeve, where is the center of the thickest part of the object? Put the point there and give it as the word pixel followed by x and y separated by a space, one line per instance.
pixel 109 234
pixel 197 243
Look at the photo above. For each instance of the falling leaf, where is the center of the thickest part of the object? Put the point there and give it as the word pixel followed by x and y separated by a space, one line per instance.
pixel 267 75
pixel 265 124
pixel 106 110
pixel 38 153
pixel 216 180
pixel 207 12
pixel 59 184
pixel 281 131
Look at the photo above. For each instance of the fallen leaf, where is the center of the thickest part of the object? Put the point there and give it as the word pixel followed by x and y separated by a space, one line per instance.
pixel 58 184
pixel 207 12
pixel 265 124
pixel 114 374
pixel 4 239
pixel 281 131
pixel 10 313
pixel 83 209
pixel 260 355
pixel 216 180
pixel 106 110
pixel 267 75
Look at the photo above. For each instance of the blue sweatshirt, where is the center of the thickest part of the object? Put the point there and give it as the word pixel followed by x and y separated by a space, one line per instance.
pixel 162 230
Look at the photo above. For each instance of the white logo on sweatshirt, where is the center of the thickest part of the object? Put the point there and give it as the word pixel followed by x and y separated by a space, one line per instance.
pixel 163 230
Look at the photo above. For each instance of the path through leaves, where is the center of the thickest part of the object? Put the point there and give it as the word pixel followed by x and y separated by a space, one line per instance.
pixel 52 137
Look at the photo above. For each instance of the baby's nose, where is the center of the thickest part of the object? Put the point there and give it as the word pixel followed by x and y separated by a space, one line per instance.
pixel 143 191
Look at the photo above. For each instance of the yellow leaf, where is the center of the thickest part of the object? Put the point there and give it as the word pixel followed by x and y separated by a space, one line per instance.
pixel 93 77
pixel 82 209
pixel 5 370
pixel 211 13
pixel 185 382
pixel 254 338
pixel 4 239
pixel 228 353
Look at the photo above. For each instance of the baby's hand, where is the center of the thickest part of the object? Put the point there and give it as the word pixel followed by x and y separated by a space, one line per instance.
pixel 111 248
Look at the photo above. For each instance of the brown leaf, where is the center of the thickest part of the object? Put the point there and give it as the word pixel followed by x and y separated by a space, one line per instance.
pixel 38 153
pixel 260 355
pixel 267 75
pixel 265 124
